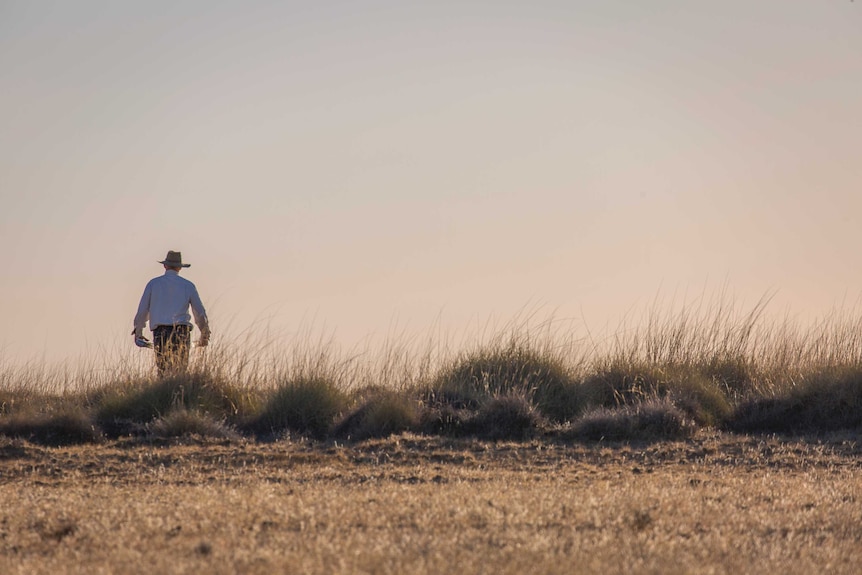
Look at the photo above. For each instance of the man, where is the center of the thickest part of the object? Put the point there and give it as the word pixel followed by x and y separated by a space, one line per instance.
pixel 165 304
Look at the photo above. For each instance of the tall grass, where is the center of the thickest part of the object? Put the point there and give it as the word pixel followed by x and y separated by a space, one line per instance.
pixel 708 362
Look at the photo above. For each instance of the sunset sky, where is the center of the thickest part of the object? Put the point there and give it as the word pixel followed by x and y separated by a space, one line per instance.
pixel 368 164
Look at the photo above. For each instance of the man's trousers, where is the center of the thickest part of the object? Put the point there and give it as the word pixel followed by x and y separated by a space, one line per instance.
pixel 172 344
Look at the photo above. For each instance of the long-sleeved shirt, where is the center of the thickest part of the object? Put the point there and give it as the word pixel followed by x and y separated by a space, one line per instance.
pixel 166 301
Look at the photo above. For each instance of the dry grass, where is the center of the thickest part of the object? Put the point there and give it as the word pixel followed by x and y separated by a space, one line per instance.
pixel 653 420
pixel 719 367
pixel 182 422
pixel 714 504
pixel 541 454
pixel 383 413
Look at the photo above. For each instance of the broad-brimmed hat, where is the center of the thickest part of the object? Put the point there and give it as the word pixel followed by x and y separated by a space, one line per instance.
pixel 175 260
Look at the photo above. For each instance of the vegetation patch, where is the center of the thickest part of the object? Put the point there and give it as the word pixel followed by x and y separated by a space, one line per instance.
pixel 62 428
pixel 706 366
pixel 184 422
pixel 501 370
pixel 690 388
pixel 121 408
pixel 445 420
pixel 382 414
pixel 509 416
pixel 306 405
pixel 652 420
pixel 828 400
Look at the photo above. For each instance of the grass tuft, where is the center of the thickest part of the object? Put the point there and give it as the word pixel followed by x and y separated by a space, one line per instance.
pixel 183 422
pixel 500 370
pixel 306 405
pixel 827 400
pixel 444 420
pixel 699 395
pixel 648 421
pixel 124 406
pixel 506 417
pixel 67 427
pixel 383 414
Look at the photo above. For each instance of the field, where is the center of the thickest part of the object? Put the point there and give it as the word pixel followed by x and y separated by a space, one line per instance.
pixel 705 441
pixel 716 503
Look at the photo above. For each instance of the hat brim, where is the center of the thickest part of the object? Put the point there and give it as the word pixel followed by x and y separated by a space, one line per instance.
pixel 175 264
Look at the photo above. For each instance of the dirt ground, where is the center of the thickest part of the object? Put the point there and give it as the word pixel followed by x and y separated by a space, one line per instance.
pixel 718 503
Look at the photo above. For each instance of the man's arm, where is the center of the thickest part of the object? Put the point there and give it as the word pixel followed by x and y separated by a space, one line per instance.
pixel 200 317
pixel 143 312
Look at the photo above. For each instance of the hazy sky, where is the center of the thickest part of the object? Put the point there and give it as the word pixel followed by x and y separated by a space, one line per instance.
pixel 368 163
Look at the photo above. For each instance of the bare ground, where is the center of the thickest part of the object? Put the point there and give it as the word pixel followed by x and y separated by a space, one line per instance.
pixel 719 503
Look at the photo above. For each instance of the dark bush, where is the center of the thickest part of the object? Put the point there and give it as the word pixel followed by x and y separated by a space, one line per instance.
pixel 123 407
pixel 444 420
pixel 514 369
pixel 505 417
pixel 306 405
pixel 182 422
pixel 828 400
pixel 648 421
pixel 62 428
pixel 382 414
pixel 698 395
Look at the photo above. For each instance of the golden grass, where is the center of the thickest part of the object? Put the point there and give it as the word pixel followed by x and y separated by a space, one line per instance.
pixel 174 489
pixel 715 504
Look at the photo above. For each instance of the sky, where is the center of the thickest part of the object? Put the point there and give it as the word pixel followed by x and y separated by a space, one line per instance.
pixel 366 166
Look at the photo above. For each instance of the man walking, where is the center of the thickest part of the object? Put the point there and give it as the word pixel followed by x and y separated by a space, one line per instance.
pixel 165 304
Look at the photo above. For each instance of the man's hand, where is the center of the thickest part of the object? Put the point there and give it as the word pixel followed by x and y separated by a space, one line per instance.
pixel 140 340
pixel 204 340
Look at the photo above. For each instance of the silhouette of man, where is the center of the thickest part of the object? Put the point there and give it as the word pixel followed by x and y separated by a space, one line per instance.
pixel 165 304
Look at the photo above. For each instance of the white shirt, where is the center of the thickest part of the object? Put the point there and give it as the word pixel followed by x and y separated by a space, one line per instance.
pixel 166 301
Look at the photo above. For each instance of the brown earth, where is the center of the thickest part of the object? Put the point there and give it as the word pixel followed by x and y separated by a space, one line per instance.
pixel 719 503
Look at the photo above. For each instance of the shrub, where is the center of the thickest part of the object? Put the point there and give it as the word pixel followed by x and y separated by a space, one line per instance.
pixel 121 407
pixel 697 394
pixel 384 413
pixel 735 375
pixel 827 400
pixel 8 401
pixel 306 404
pixel 505 417
pixel 621 383
pixel 66 427
pixel 648 421
pixel 181 422
pixel 502 370
pixel 444 420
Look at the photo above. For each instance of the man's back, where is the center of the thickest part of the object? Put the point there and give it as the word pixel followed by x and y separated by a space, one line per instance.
pixel 166 301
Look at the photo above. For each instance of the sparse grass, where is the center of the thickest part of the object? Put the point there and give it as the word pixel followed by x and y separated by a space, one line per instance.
pixel 716 503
